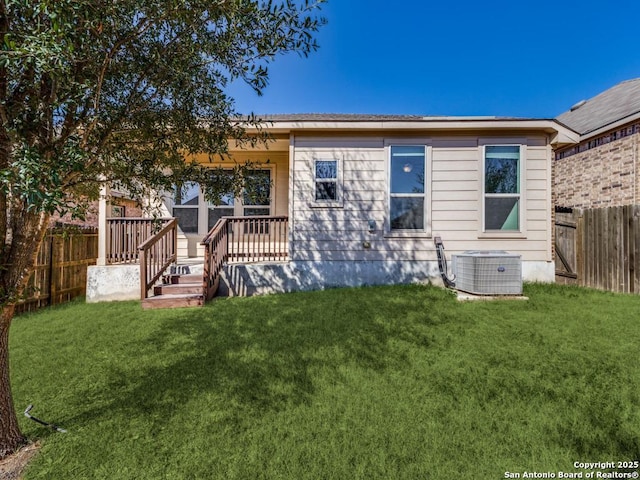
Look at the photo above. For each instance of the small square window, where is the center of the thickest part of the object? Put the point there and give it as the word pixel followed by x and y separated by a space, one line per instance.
pixel 326 180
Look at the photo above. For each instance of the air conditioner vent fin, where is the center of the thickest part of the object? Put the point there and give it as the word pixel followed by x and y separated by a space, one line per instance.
pixel 488 272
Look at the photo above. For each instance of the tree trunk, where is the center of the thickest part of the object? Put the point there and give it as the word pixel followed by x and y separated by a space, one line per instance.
pixel 10 436
pixel 29 233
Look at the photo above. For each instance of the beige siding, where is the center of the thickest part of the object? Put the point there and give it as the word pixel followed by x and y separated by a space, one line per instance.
pixel 281 184
pixel 454 200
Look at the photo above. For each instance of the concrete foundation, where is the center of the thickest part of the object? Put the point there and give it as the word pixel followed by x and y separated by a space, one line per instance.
pixel 543 272
pixel 113 282
pixel 260 279
pixel 122 282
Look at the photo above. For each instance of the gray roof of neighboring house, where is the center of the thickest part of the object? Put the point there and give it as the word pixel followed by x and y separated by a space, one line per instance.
pixel 617 103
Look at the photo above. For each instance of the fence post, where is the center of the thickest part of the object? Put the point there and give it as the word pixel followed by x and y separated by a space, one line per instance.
pixel 580 247
pixel 49 239
pixel 55 270
pixel 634 257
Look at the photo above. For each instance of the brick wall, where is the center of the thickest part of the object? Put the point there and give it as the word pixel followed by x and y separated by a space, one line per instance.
pixel 603 176
pixel 131 207
pixel 90 220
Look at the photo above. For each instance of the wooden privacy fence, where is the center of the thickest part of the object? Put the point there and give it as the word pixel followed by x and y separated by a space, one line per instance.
pixel 599 248
pixel 61 268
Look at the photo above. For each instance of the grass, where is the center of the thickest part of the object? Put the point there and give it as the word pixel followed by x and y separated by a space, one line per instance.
pixel 373 383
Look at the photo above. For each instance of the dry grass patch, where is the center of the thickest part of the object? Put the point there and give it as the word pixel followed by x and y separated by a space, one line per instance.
pixel 11 468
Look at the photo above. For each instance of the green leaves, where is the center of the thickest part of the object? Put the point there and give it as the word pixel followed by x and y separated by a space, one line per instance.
pixel 37 182
pixel 95 90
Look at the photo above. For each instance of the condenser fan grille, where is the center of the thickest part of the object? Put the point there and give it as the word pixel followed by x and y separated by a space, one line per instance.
pixel 493 272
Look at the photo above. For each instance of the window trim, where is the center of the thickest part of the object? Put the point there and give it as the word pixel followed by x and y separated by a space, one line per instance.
pixel 212 206
pixel 425 232
pixel 521 232
pixel 239 201
pixel 183 206
pixel 203 206
pixel 339 201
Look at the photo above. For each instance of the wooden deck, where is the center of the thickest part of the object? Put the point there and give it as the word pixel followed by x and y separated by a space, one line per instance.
pixel 233 240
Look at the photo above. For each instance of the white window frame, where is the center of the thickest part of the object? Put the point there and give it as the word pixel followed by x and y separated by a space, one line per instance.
pixel 203 206
pixel 339 200
pixel 521 231
pixel 182 206
pixel 213 206
pixel 272 179
pixel 238 204
pixel 428 188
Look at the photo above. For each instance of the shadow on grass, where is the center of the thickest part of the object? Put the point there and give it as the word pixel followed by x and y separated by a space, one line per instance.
pixel 262 354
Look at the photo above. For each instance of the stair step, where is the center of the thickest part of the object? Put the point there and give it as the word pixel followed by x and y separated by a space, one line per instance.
pixel 174 301
pixel 189 278
pixel 174 288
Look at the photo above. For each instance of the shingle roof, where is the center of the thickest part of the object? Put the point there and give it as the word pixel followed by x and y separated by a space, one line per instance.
pixel 617 103
pixel 332 117
pixel 360 117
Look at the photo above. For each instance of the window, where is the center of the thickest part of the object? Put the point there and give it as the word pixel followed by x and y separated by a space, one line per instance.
pixel 257 193
pixel 502 187
pixel 197 215
pixel 407 188
pixel 185 209
pixel 326 180
pixel 225 206
pixel 256 200
pixel 117 211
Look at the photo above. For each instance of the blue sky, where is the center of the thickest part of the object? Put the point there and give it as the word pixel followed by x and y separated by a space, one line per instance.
pixel 494 57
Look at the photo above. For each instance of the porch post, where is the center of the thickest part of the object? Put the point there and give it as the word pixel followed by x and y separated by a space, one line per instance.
pixel 103 208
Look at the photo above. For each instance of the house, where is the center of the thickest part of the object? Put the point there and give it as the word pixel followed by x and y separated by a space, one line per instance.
pixel 120 205
pixel 601 170
pixel 357 200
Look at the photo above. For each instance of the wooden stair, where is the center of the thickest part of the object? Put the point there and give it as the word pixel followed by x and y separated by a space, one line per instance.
pixel 176 291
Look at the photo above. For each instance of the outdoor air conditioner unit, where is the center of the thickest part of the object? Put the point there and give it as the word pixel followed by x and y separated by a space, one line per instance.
pixel 493 272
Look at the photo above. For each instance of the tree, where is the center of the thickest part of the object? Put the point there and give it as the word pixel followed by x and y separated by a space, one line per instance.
pixel 119 91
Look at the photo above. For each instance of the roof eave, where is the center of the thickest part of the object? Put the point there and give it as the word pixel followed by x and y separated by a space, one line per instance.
pixel 548 126
pixel 611 126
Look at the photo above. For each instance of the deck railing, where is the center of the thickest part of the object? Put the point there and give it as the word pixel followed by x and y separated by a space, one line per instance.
pixel 125 235
pixel 242 240
pixel 157 254
pixel 215 256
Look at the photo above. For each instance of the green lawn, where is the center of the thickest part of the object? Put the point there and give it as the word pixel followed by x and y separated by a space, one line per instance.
pixel 374 383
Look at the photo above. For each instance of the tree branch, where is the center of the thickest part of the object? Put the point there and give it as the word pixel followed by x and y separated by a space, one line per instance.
pixel 139 30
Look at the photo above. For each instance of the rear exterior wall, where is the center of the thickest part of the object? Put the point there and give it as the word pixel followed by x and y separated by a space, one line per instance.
pixel 341 234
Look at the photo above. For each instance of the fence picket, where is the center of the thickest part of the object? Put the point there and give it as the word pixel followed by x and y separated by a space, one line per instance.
pixel 606 247
pixel 60 273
